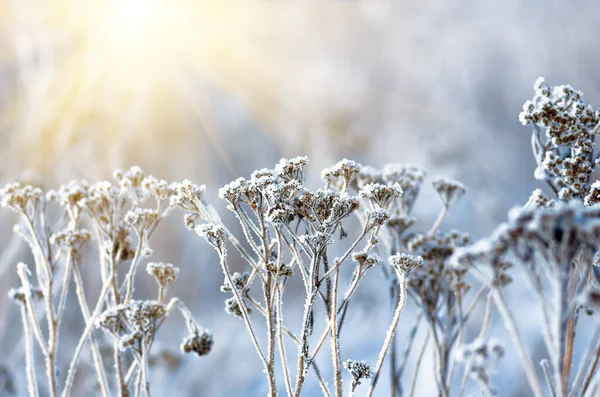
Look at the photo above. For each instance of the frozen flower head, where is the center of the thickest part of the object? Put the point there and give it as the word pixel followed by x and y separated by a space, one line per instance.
pixel 113 320
pixel 448 190
pixel 200 343
pixel 341 174
pixel 22 198
pixel 400 224
pixel 215 235
pixel 359 370
pixel 538 200
pixel 160 189
pixel 292 169
pixel 282 270
pixel 240 280
pixel 142 219
pixel 74 194
pixel 165 273
pixel 232 307
pixel 555 234
pixel 366 176
pixel 187 195
pixel 316 242
pixel 71 239
pixel 404 262
pixel 410 178
pixel 131 322
pixel 381 196
pixel 325 207
pixel 234 191
pixel 365 259
pixel 563 137
pixel 377 217
pixel 482 359
pixel 131 181
pixel 593 196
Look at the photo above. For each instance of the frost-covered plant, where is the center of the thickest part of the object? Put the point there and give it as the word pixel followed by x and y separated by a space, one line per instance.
pixel 55 226
pixel 437 289
pixel 292 231
pixel 554 241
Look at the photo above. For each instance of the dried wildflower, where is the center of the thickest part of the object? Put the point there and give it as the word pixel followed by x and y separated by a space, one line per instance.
pixel 233 191
pixel 405 262
pixel 71 239
pixel 199 342
pixel 281 214
pixel 410 178
pixel 345 171
pixel 187 195
pixel 400 224
pixel 377 217
pixel 481 359
pixel 283 270
pixel 316 242
pixel 359 370
pixel 213 234
pixel 366 259
pixel 143 315
pixel 381 196
pixel 326 207
pixel 232 307
pixel 132 181
pixel 130 340
pixel 448 190
pixel 538 200
pixel 20 197
pixel 165 273
pixel 593 196
pixel 135 318
pixel 292 168
pixel 142 219
pixel 565 154
pixel 160 189
pixel 112 320
pixel 240 281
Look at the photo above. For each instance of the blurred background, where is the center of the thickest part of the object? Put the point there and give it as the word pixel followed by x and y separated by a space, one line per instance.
pixel 213 90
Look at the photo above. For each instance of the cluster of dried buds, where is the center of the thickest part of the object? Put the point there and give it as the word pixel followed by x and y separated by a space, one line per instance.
pixel 120 218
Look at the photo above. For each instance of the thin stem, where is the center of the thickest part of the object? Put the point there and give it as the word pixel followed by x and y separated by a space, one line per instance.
pixel 129 278
pixel 391 331
pixel 96 356
pixel 590 376
pixel 546 370
pixel 242 305
pixel 88 329
pixel 306 325
pixel 512 328
pixel 284 361
pixel 418 364
pixel 592 350
pixel 438 221
pixel 335 344
pixel 32 385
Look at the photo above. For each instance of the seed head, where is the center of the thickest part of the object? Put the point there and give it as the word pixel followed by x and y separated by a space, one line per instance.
pixel 165 273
